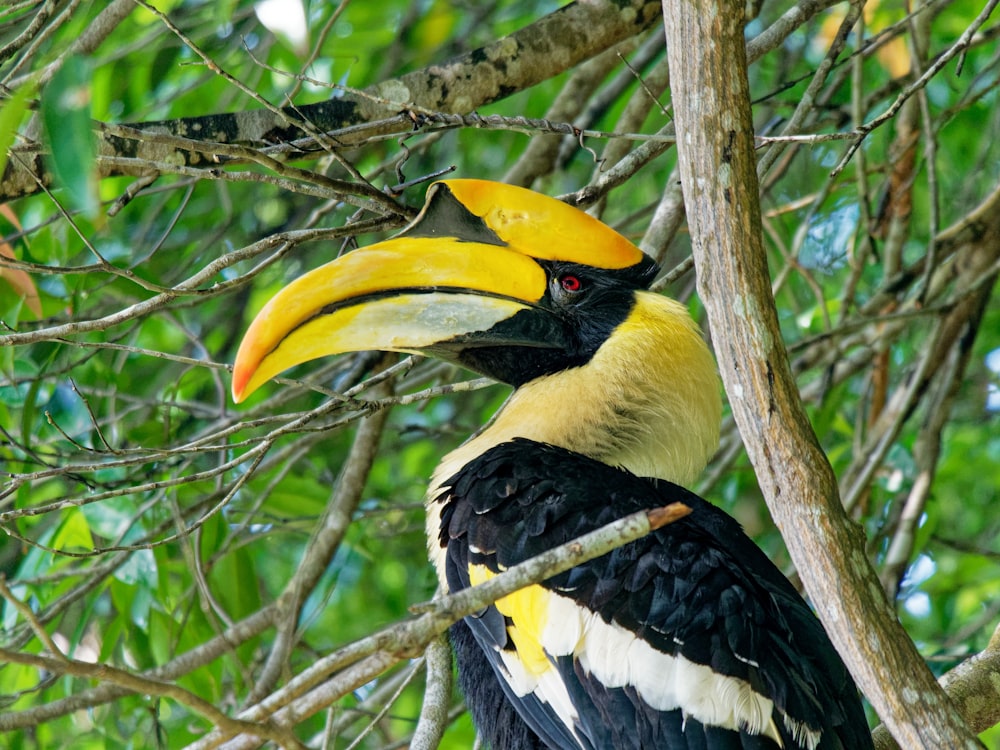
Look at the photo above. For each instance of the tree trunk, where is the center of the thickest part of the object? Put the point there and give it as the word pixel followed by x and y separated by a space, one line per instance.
pixel 711 102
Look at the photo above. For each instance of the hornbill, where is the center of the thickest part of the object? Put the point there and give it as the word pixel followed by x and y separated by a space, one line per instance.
pixel 687 638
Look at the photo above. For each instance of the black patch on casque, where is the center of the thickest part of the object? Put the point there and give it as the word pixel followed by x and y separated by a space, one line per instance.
pixel 698 588
pixel 445 216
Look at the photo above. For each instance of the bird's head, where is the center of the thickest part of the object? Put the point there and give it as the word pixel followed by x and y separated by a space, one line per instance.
pixel 511 284
pixel 503 280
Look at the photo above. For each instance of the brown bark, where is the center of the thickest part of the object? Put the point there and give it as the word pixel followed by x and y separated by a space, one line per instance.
pixel 711 100
pixel 533 54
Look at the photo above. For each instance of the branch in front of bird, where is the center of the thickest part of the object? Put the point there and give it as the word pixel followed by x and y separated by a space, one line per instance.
pixel 336 674
pixel 453 607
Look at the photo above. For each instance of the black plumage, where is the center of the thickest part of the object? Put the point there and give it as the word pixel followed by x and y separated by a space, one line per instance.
pixel 698 588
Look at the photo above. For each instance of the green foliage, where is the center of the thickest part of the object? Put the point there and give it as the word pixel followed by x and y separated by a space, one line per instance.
pixel 147 518
pixel 65 111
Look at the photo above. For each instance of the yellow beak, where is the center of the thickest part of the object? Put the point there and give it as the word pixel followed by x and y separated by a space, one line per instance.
pixel 400 295
pixel 468 263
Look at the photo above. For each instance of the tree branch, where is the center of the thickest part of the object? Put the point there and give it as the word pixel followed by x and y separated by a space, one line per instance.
pixel 530 55
pixel 151 686
pixel 360 662
pixel 974 686
pixel 322 546
pixel 711 101
pixel 437 696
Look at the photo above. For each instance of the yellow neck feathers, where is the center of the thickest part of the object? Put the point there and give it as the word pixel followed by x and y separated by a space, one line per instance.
pixel 648 401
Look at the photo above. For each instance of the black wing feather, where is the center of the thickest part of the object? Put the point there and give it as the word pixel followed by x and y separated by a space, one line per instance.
pixel 697 588
pixel 493 712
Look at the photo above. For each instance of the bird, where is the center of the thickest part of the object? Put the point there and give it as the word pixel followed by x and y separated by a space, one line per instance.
pixel 689 637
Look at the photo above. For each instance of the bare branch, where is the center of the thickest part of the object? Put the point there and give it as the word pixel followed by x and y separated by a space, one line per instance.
pixel 437 696
pixel 539 51
pixel 352 666
pixel 147 686
pixel 718 172
pixel 973 686
pixel 322 546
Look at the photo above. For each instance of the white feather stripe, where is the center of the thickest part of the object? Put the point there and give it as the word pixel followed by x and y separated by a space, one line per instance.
pixel 547 686
pixel 518 677
pixel 552 690
pixel 654 675
pixel 617 657
pixel 567 623
pixel 802 734
pixel 608 653
pixel 720 700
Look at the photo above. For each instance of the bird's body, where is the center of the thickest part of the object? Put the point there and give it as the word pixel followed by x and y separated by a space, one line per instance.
pixel 626 408
pixel 688 638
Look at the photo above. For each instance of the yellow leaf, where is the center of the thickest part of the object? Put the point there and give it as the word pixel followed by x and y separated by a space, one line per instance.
pixel 19 280
pixel 74 534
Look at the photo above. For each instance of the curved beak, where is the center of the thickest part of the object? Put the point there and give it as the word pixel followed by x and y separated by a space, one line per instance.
pixel 404 295
pixel 452 280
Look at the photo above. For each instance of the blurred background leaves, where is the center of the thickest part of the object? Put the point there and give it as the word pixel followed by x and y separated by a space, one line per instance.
pixel 150 524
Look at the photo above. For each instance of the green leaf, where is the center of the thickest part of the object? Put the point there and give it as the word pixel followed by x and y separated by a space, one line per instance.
pixel 235 583
pixel 11 113
pixel 74 534
pixel 66 125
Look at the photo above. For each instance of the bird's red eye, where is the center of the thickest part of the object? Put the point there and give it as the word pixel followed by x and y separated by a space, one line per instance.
pixel 571 283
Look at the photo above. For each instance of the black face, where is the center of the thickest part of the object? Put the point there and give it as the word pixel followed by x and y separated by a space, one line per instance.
pixel 581 308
